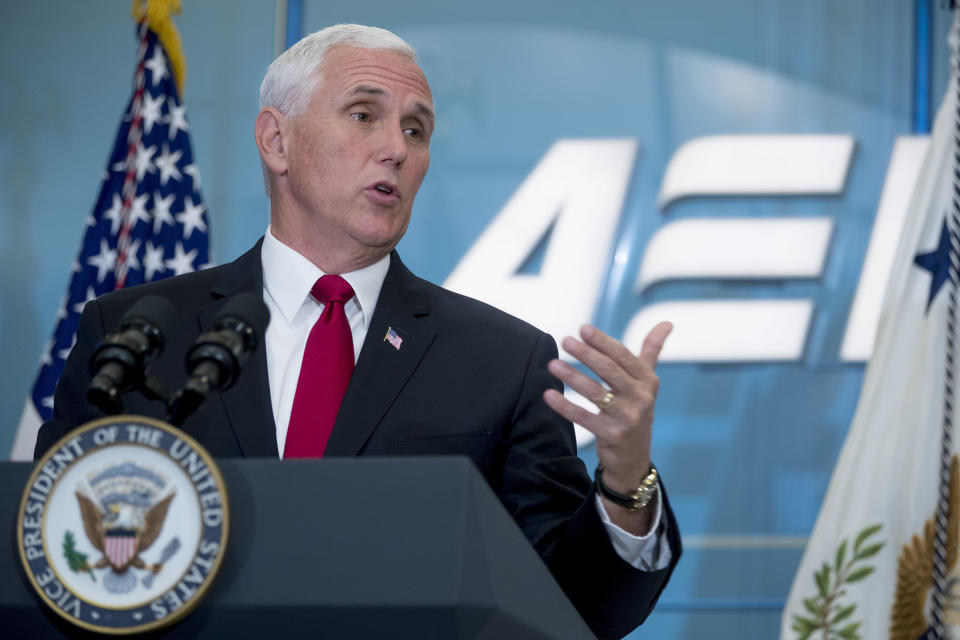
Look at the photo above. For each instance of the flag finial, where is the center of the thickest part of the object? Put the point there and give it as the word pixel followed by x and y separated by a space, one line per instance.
pixel 157 14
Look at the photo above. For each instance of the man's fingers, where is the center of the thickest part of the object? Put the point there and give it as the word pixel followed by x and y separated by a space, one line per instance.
pixel 572 412
pixel 610 347
pixel 623 426
pixel 600 363
pixel 582 384
pixel 653 344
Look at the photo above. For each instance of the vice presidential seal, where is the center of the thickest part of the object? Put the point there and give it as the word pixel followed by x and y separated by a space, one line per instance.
pixel 123 524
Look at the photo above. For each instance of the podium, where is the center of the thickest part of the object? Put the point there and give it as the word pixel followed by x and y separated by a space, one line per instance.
pixel 344 548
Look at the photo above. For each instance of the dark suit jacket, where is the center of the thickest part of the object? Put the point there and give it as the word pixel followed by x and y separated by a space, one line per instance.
pixel 468 379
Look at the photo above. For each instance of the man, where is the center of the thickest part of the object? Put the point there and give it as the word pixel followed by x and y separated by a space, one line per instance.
pixel 344 138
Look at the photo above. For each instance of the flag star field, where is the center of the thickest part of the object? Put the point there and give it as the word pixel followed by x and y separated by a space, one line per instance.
pixel 164 216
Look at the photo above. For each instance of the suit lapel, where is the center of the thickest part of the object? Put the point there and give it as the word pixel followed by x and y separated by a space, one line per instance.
pixel 383 369
pixel 247 402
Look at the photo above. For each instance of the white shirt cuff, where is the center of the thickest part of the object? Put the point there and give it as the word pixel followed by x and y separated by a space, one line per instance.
pixel 650 552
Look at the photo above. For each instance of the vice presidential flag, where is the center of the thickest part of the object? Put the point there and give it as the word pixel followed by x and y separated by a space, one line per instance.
pixel 148 223
pixel 882 559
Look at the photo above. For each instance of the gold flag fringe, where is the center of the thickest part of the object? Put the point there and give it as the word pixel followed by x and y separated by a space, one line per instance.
pixel 157 14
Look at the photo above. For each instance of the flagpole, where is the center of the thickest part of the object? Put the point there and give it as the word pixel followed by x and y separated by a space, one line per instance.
pixel 922 28
pixel 129 189
pixel 946 441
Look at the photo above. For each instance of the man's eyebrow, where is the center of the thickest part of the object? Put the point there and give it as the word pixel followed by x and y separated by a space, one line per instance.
pixel 424 110
pixel 365 89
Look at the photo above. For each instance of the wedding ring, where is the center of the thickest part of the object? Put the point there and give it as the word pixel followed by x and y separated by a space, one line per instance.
pixel 605 401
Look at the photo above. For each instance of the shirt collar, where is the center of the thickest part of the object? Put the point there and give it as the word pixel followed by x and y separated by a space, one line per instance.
pixel 289 276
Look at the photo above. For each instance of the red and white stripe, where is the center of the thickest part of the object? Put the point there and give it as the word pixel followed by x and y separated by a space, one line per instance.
pixel 120 549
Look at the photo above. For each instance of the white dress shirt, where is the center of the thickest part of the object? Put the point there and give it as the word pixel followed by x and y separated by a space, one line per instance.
pixel 288 278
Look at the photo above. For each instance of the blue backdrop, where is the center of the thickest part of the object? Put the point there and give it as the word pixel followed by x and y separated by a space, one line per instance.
pixel 746 448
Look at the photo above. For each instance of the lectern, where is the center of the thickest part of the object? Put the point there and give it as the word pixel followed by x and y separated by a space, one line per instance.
pixel 345 548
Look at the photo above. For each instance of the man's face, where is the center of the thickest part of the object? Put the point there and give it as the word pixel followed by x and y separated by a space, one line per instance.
pixel 358 154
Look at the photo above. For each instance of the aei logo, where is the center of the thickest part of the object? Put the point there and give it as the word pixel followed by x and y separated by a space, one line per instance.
pixel 573 199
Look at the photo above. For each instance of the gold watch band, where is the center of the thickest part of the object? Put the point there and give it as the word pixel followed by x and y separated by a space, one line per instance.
pixel 635 500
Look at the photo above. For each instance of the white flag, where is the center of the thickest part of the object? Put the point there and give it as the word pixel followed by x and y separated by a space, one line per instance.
pixel 867 571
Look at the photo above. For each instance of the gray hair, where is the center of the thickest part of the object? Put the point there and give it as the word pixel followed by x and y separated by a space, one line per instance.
pixel 292 78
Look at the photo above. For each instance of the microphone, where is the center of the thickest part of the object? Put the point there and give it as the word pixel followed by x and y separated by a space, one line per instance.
pixel 119 361
pixel 215 359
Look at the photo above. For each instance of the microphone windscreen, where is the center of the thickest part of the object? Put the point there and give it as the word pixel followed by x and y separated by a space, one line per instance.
pixel 154 310
pixel 249 308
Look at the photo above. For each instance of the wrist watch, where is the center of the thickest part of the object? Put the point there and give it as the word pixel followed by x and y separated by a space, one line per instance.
pixel 635 500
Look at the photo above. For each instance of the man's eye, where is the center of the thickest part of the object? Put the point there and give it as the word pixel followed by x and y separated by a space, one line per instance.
pixel 413 132
pixel 361 116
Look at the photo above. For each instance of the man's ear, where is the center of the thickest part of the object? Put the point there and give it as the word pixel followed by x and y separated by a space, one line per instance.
pixel 269 132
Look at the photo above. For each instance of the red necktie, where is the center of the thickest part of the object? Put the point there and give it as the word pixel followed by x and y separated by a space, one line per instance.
pixel 324 373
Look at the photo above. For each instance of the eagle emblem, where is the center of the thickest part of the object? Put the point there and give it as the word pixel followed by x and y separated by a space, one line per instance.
pixel 910 617
pixel 123 519
pixel 122 495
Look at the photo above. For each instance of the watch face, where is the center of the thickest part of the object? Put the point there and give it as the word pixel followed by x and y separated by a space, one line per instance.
pixel 123 524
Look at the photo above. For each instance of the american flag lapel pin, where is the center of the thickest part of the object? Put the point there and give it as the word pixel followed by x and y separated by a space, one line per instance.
pixel 393 338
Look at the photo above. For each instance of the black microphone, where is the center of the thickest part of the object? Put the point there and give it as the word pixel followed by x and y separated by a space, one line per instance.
pixel 119 361
pixel 215 359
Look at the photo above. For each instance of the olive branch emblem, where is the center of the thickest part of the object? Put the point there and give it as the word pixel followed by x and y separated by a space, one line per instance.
pixel 76 560
pixel 825 608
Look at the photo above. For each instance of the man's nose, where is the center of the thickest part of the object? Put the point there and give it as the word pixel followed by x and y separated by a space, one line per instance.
pixel 393 145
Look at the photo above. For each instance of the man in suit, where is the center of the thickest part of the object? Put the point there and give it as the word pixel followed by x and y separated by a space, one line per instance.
pixel 344 139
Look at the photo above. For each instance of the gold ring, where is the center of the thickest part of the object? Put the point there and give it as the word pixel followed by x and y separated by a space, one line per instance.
pixel 605 401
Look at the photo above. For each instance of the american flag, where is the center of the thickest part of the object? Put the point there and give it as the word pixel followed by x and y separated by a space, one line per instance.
pixel 149 221
pixel 393 338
